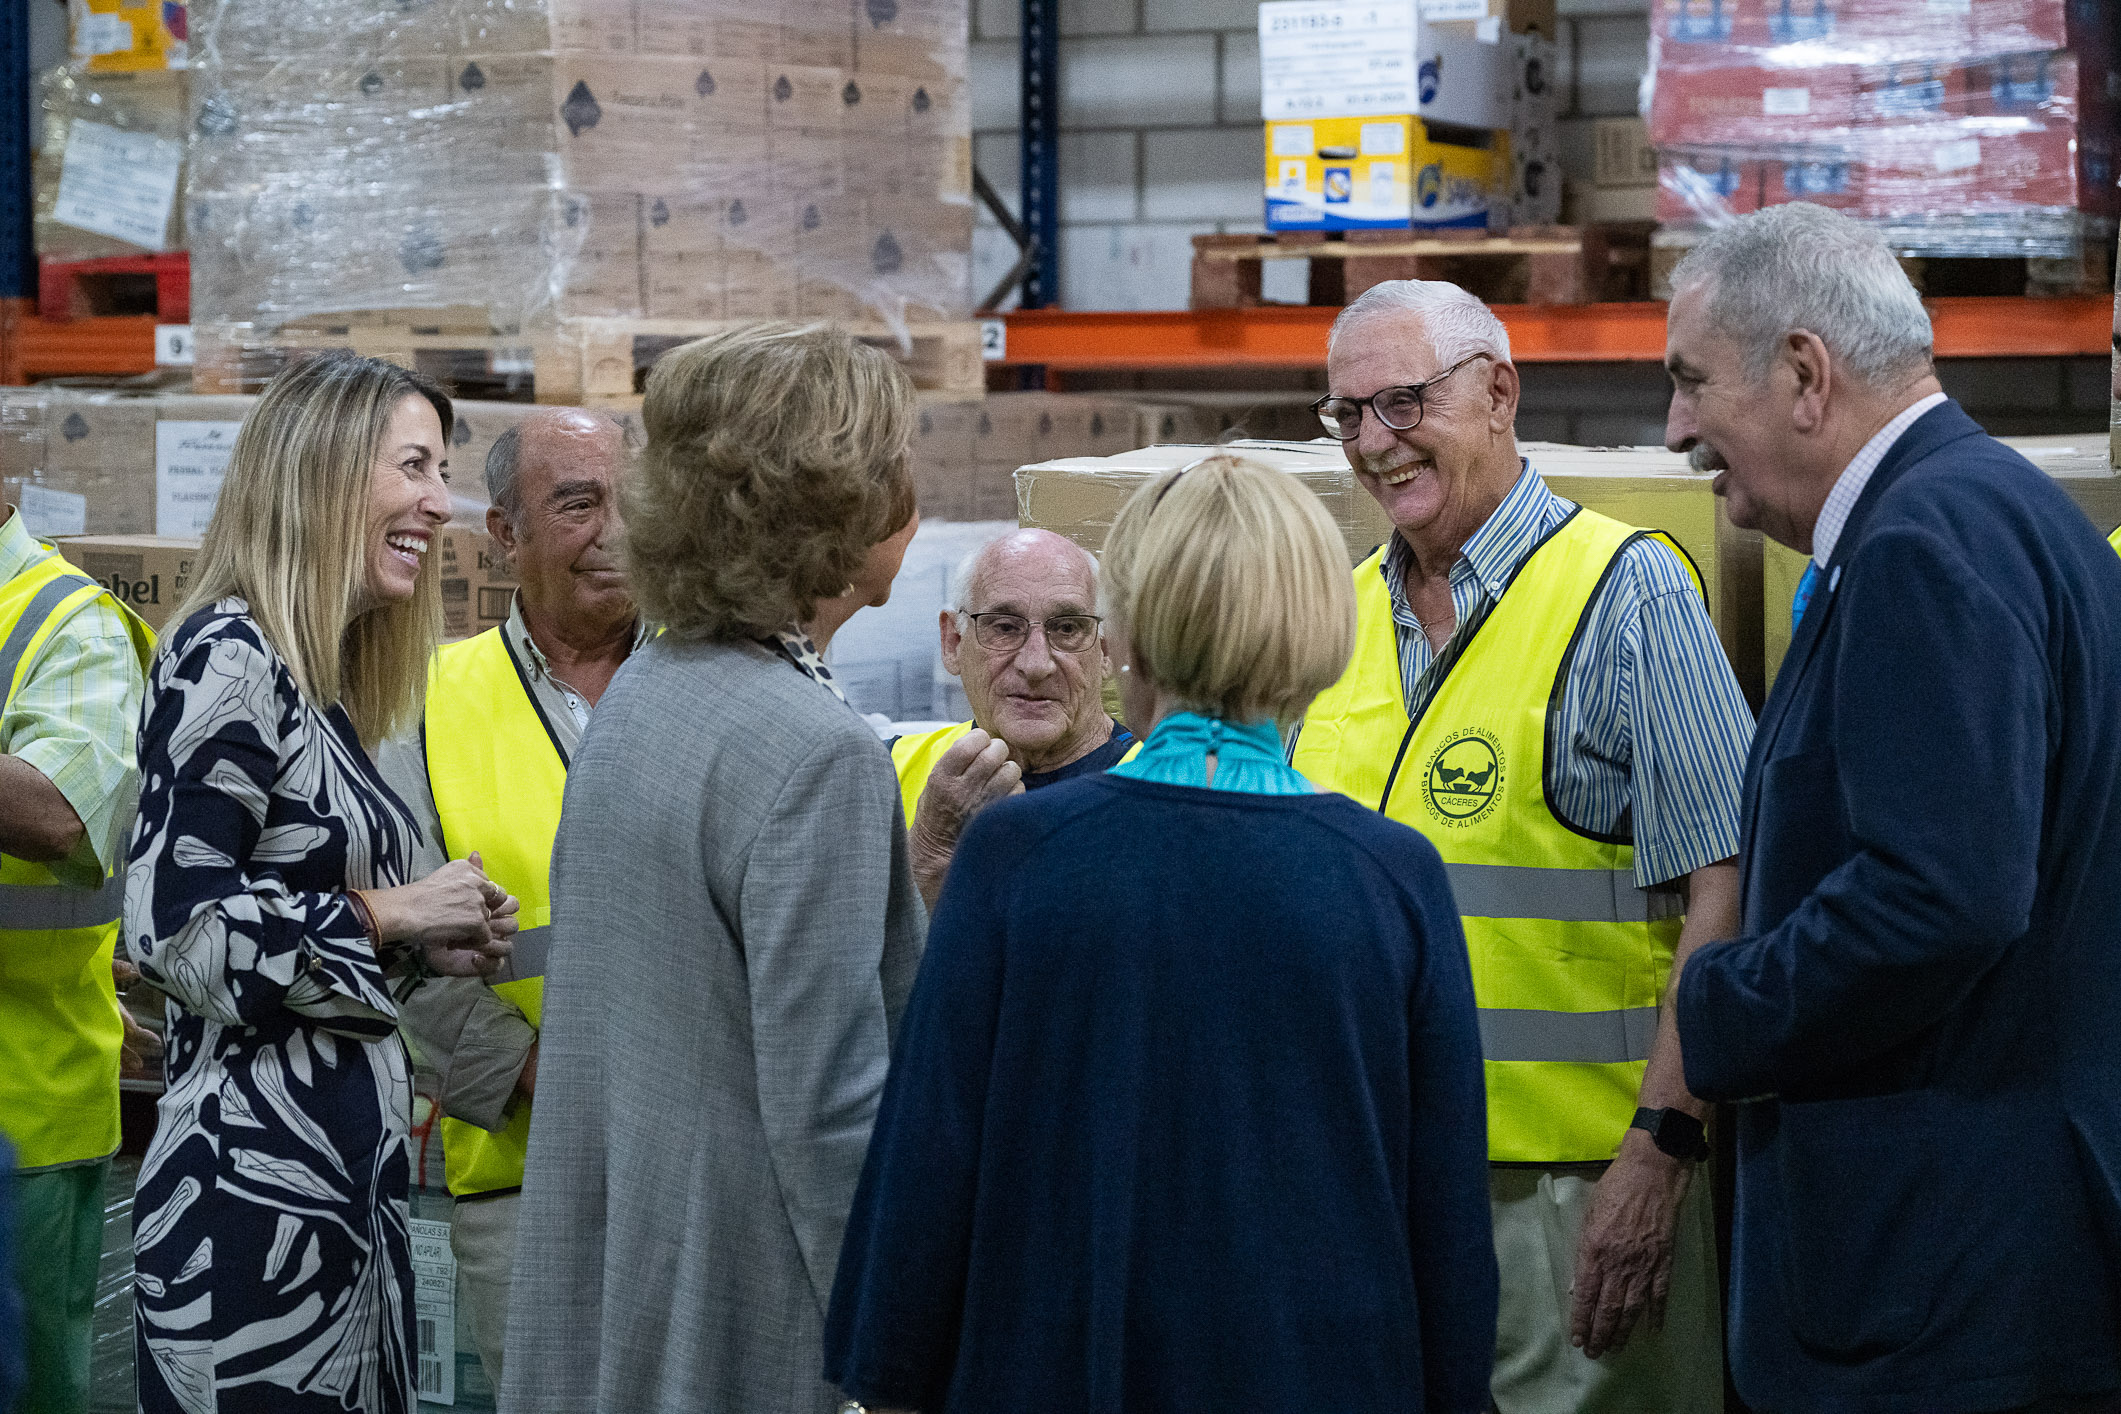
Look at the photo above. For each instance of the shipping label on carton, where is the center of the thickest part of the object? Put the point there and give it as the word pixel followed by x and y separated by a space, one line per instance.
pixel 1326 58
pixel 190 460
pixel 119 184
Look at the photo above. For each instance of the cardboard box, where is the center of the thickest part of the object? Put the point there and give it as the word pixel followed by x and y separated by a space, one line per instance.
pixel 1378 173
pixel 120 36
pixel 1327 58
pixel 1624 156
pixel 149 574
pixel 146 573
pixel 1655 489
pixel 477 587
pixel 113 464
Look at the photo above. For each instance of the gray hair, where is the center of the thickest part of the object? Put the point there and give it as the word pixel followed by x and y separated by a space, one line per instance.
pixel 1801 266
pixel 1457 323
pixel 961 577
pixel 505 457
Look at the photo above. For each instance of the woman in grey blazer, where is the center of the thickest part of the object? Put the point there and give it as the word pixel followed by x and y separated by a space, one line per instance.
pixel 735 924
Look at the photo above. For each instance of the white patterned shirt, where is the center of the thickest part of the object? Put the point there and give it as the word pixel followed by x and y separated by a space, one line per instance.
pixel 1848 488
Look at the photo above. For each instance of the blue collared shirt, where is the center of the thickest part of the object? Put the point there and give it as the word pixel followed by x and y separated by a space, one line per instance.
pixel 1653 727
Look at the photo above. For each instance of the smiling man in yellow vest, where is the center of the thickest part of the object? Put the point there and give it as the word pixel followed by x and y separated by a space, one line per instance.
pixel 72 675
pixel 1023 636
pixel 505 711
pixel 1540 692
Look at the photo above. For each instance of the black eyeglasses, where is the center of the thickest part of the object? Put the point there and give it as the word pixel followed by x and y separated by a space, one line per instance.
pixel 1006 633
pixel 1398 408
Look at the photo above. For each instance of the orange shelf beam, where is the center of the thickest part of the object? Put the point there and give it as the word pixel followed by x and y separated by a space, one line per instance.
pixel 1293 337
pixel 111 345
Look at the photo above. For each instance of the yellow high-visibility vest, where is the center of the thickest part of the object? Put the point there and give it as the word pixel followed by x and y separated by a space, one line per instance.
pixel 498 778
pixel 914 758
pixel 2115 540
pixel 60 1028
pixel 1569 958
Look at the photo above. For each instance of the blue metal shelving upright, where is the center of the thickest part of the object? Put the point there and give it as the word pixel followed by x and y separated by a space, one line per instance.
pixel 18 262
pixel 1040 151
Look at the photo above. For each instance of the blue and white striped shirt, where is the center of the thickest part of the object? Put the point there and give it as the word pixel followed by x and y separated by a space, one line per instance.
pixel 1654 729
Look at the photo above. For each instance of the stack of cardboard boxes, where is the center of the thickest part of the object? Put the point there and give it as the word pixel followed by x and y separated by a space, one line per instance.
pixel 1974 128
pixel 1396 116
pixel 511 163
pixel 127 483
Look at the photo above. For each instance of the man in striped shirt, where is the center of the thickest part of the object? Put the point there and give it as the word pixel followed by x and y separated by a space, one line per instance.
pixel 1541 692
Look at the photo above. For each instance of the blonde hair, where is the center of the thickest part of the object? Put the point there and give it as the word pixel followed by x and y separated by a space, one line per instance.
pixel 289 535
pixel 1231 581
pixel 776 458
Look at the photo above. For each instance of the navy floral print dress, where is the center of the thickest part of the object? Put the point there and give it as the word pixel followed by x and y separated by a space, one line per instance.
pixel 273 1269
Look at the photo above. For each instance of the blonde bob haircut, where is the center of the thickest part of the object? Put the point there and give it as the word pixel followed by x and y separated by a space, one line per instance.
pixel 289 535
pixel 1232 584
pixel 776 458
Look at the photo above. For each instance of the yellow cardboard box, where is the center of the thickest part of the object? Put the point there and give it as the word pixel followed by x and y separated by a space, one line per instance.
pixel 125 36
pixel 1352 174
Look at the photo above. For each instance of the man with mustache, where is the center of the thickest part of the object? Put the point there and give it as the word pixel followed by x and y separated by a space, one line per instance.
pixel 505 711
pixel 1914 1018
pixel 1539 690
pixel 1023 636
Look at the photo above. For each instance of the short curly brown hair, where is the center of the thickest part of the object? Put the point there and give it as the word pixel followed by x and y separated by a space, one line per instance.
pixel 776 456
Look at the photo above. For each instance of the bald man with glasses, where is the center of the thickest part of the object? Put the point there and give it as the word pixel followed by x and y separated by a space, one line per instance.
pixel 1023 636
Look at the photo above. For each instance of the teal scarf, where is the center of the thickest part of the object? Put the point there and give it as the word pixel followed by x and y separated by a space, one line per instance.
pixel 1248 757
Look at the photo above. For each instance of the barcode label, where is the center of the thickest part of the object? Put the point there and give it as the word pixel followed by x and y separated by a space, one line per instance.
pixel 434 1269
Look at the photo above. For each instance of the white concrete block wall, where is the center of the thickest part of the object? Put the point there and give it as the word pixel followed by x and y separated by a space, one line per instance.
pixel 1161 132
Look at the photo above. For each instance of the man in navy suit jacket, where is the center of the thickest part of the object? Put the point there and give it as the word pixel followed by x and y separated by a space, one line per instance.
pixel 1920 1023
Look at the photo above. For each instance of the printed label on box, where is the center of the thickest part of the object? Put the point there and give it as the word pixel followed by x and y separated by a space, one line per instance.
pixel 101 34
pixel 190 460
pixel 1785 102
pixel 118 184
pixel 1958 156
pixel 1433 10
pixel 434 1299
pixel 1328 58
pixel 48 513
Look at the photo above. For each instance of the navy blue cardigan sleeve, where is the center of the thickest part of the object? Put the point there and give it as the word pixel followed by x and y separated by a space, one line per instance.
pixel 1939 751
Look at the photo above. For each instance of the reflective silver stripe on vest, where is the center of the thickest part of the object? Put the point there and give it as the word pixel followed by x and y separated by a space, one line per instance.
pixel 49 907
pixel 533 948
pixel 1563 895
pixel 1593 1037
pixel 39 608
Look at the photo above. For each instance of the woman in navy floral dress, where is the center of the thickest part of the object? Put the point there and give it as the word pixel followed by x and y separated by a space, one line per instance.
pixel 267 894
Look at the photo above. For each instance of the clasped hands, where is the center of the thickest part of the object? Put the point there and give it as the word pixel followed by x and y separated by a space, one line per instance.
pixel 460 920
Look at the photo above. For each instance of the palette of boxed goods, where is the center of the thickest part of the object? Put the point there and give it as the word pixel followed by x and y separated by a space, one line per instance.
pixel 966 452
pixel 1436 116
pixel 1984 127
pixel 511 165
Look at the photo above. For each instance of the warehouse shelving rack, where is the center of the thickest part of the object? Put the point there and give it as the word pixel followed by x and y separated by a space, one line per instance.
pixel 1064 341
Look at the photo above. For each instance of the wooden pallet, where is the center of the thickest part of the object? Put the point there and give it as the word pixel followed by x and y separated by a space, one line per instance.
pixel 119 284
pixel 578 362
pixel 1530 265
pixel 2087 271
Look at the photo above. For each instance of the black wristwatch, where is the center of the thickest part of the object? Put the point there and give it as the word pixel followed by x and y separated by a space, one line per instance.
pixel 1675 1132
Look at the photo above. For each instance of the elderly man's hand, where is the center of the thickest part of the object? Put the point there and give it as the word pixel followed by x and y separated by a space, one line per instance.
pixel 1624 1255
pixel 975 772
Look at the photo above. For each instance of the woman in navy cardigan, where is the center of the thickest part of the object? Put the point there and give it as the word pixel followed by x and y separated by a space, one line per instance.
pixel 1186 1111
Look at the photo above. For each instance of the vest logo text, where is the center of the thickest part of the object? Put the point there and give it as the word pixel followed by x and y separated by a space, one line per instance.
pixel 1464 778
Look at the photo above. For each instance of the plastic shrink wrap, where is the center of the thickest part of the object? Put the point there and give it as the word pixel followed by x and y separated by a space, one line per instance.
pixel 1960 127
pixel 517 166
